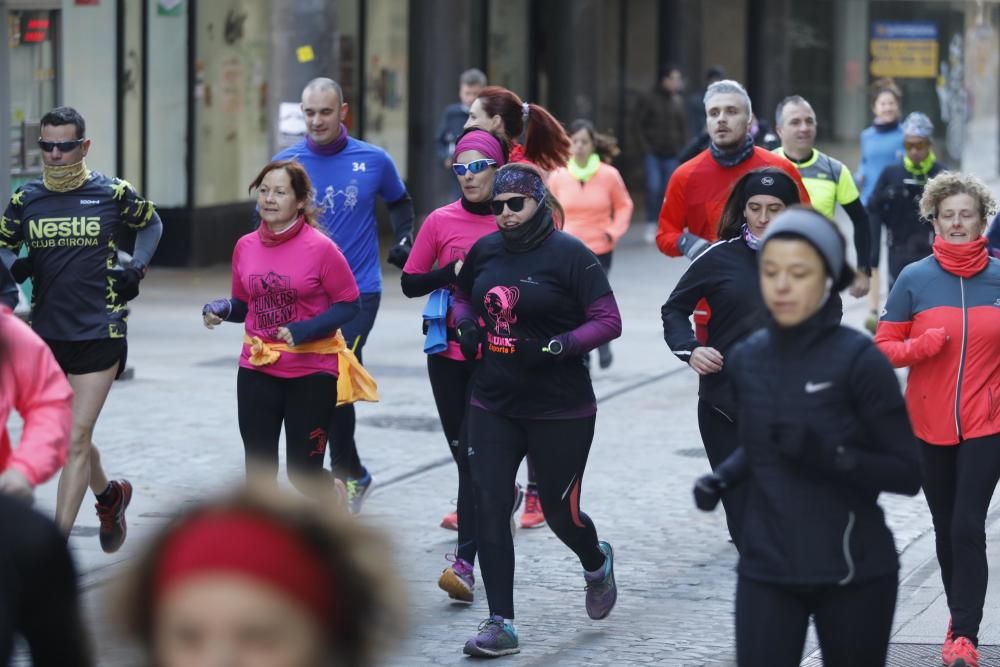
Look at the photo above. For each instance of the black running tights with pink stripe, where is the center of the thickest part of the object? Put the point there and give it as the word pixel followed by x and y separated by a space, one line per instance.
pixel 559 450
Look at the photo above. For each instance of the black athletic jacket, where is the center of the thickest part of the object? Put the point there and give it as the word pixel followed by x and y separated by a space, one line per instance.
pixel 823 430
pixel 894 203
pixel 726 276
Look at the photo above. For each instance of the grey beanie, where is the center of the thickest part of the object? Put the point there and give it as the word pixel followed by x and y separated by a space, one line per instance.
pixel 918 125
pixel 814 228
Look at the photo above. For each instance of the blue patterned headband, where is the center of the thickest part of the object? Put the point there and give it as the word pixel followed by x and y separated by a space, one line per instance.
pixel 523 181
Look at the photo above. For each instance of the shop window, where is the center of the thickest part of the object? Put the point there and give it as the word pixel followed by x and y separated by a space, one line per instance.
pixel 386 74
pixel 31 40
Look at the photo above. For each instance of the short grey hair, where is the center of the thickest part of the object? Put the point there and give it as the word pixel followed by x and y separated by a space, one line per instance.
pixel 323 84
pixel 779 113
pixel 728 87
pixel 472 77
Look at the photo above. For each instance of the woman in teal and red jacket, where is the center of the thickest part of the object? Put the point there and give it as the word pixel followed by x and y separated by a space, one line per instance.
pixel 942 319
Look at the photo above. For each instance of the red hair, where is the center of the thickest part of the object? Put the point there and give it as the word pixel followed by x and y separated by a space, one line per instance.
pixel 545 141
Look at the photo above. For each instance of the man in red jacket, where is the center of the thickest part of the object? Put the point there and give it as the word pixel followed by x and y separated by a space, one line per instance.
pixel 697 193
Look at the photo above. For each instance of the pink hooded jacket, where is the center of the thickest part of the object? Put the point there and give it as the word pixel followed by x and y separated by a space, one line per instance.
pixel 32 383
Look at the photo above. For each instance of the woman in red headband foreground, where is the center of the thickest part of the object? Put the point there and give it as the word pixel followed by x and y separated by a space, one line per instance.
pixel 265 580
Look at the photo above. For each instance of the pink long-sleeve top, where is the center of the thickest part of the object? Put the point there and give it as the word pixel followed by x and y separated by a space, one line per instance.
pixel 446 236
pixel 294 281
pixel 599 211
pixel 32 383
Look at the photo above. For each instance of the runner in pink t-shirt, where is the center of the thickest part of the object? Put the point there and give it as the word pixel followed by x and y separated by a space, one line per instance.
pixel 443 239
pixel 291 285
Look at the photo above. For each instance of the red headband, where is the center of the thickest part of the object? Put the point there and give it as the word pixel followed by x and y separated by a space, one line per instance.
pixel 239 542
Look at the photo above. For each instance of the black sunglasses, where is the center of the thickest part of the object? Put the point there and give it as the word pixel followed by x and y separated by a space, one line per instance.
pixel 515 204
pixel 63 146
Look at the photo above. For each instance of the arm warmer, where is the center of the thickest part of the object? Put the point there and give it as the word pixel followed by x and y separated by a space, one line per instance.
pixel 401 217
pixel 326 323
pixel 422 284
pixel 862 234
pixel 146 240
pixel 603 325
pixel 238 310
pixel 7 256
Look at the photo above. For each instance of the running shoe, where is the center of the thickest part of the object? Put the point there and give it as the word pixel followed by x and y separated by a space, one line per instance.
pixel 518 499
pixel 357 489
pixel 495 639
pixel 111 506
pixel 602 592
pixel 532 517
pixel 458 580
pixel 963 653
pixel 949 639
pixel 450 521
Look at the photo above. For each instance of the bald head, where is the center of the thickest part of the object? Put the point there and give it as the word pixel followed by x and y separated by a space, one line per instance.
pixel 323 84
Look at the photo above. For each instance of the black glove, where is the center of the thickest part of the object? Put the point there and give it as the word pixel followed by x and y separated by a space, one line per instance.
pixel 802 445
pixel 708 490
pixel 469 337
pixel 128 283
pixel 399 253
pixel 22 269
pixel 529 352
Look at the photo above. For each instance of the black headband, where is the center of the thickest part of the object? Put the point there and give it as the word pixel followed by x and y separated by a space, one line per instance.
pixel 776 184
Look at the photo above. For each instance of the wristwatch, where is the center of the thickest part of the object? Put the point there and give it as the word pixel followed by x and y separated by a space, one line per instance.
pixel 555 347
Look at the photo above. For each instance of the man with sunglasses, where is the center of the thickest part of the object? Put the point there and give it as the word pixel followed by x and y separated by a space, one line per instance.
pixel 348 176
pixel 72 221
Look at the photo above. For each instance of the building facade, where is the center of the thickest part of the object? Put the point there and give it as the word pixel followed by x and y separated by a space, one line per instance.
pixel 184 97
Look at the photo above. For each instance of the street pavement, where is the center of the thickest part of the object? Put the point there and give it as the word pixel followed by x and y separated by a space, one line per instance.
pixel 172 430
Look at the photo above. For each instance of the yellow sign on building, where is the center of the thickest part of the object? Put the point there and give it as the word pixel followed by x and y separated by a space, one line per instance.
pixel 904 50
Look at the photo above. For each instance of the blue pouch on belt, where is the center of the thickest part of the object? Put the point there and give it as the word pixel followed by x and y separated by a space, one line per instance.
pixel 436 321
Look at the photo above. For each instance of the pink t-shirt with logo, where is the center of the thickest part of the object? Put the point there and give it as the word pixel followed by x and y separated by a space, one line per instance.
pixel 291 282
pixel 446 235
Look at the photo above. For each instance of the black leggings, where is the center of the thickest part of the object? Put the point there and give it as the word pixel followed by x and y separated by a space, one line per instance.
pixel 38 590
pixel 720 435
pixel 958 486
pixel 344 459
pixel 853 622
pixel 304 405
pixel 559 449
pixel 451 383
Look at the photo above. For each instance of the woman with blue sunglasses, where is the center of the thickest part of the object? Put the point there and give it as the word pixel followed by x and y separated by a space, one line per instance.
pixel 442 241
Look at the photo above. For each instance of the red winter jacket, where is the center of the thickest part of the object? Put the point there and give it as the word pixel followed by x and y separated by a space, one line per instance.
pixel 953 391
pixel 698 191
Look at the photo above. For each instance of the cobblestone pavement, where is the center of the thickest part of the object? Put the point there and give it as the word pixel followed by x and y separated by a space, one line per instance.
pixel 172 431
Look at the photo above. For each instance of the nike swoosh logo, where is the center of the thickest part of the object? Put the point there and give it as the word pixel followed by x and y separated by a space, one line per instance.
pixel 813 387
